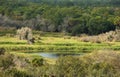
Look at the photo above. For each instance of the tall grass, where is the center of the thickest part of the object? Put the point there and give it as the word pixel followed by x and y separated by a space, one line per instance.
pixel 55 44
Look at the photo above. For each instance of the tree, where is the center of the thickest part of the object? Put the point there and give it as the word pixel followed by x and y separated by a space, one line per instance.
pixel 25 33
pixel 98 24
pixel 117 22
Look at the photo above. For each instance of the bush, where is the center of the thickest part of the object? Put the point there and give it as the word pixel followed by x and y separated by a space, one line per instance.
pixel 117 36
pixel 96 64
pixel 68 67
pixel 2 51
pixel 103 63
pixel 37 62
pixel 17 73
pixel 25 33
pixel 79 30
pixel 6 61
pixel 105 37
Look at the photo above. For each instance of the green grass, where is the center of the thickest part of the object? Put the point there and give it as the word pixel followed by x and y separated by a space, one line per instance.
pixel 51 42
pixel 7 31
pixel 54 44
pixel 25 55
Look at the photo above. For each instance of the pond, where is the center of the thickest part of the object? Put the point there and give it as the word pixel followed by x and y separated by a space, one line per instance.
pixel 57 55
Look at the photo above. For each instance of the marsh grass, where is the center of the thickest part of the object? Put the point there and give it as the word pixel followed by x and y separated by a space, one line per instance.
pixel 49 42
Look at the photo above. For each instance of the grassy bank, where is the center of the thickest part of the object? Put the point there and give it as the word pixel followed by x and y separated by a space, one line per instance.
pixel 54 42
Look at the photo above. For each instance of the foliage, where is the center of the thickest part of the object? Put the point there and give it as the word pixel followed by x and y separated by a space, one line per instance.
pixel 2 51
pixel 99 63
pixel 58 42
pixel 6 61
pixel 117 22
pixel 17 73
pixel 94 64
pixel 77 16
pixel 25 34
pixel 91 17
pixel 112 36
pixel 37 62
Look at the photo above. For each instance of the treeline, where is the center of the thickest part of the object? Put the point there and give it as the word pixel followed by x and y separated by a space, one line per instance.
pixel 60 17
pixel 82 3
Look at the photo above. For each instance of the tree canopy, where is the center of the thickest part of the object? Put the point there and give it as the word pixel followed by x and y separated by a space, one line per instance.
pixel 73 16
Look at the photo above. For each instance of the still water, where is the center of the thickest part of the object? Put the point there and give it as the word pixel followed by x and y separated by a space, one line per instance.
pixel 57 55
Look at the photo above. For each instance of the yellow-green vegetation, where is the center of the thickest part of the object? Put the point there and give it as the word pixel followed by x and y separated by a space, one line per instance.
pixel 54 42
pixel 16 63
pixel 59 38
pixel 95 64
pixel 25 55
pixel 7 31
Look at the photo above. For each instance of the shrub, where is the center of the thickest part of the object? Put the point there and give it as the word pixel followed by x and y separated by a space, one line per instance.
pixel 105 37
pixel 68 66
pixel 2 51
pixel 117 36
pixel 25 33
pixel 6 61
pixel 79 29
pixel 17 73
pixel 37 62
pixel 96 64
pixel 105 62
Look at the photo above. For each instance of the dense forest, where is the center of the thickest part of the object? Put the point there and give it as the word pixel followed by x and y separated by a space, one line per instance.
pixel 70 16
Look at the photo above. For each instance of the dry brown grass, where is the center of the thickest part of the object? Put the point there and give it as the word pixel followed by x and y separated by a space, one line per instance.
pixel 112 36
pixel 105 56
